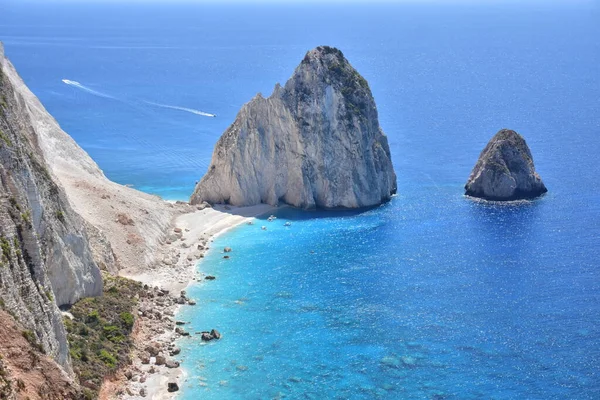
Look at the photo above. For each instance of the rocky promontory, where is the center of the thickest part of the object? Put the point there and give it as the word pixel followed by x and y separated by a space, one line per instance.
pixel 505 170
pixel 315 142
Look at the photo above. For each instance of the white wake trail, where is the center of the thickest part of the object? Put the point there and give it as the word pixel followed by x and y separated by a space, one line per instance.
pixel 190 110
pixel 87 89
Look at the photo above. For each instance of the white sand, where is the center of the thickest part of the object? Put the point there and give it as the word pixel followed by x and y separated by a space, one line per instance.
pixel 197 227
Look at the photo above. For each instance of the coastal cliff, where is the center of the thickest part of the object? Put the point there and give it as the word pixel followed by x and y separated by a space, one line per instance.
pixel 61 222
pixel 46 260
pixel 315 142
pixel 505 170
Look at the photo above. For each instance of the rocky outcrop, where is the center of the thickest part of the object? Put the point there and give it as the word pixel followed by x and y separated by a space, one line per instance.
pixel 316 142
pixel 505 170
pixel 95 198
pixel 27 373
pixel 46 259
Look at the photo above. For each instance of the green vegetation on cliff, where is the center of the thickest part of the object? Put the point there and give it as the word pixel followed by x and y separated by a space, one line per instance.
pixel 100 333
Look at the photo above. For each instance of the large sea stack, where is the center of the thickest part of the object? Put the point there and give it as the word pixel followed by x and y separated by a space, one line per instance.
pixel 505 170
pixel 314 143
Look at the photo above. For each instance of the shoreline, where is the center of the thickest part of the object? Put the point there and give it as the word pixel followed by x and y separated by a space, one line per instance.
pixel 175 269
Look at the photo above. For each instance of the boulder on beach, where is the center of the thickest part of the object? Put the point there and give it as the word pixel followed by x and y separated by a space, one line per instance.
pixel 505 170
pixel 172 387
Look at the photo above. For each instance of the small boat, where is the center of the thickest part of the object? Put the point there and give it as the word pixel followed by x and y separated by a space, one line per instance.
pixel 264 228
pixel 287 224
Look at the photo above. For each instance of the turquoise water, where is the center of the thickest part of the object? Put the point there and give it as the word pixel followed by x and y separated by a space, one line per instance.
pixel 428 297
pixel 431 296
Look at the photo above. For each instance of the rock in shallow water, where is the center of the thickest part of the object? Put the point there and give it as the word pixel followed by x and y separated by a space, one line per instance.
pixel 505 170
pixel 316 142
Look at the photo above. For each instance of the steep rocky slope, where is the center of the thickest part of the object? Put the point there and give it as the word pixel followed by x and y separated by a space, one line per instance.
pixel 46 259
pixel 505 170
pixel 27 373
pixel 316 142
pixel 124 226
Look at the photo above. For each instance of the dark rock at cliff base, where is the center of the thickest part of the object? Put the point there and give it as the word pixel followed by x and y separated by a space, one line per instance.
pixel 505 170
pixel 314 143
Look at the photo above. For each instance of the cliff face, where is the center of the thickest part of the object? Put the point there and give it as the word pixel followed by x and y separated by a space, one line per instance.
pixel 316 142
pixel 505 170
pixel 26 373
pixel 45 257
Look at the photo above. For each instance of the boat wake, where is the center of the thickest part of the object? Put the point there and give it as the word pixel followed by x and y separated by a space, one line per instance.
pixel 190 110
pixel 87 89
pixel 133 101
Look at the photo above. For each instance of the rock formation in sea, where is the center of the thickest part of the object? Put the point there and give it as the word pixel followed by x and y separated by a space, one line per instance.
pixel 505 170
pixel 315 142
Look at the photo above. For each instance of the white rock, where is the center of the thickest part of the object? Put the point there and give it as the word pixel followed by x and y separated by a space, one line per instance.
pixel 314 143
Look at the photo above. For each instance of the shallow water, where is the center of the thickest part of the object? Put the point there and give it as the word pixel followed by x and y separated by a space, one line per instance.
pixel 444 298
pixel 431 296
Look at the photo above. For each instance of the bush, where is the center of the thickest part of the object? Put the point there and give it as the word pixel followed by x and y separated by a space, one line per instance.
pixel 5 244
pixel 100 334
pixel 5 138
pixel 26 217
pixel 113 333
pixel 93 317
pixel 30 337
pixel 108 358
pixel 127 319
pixel 60 216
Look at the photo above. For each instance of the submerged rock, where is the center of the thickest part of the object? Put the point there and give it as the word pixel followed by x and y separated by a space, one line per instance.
pixel 316 142
pixel 505 170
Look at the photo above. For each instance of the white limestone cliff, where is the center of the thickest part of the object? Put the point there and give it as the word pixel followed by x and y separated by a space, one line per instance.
pixel 316 142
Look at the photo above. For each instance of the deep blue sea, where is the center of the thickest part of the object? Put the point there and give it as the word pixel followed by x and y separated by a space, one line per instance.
pixel 431 296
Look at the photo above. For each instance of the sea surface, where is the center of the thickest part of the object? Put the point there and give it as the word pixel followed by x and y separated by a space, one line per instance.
pixel 430 296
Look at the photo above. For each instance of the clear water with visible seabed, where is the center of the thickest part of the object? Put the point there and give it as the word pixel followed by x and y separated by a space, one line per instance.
pixel 431 296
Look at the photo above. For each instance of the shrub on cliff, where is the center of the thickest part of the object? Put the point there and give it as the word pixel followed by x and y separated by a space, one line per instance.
pixel 99 334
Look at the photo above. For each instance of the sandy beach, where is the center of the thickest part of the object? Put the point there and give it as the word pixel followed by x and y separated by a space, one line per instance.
pixel 153 365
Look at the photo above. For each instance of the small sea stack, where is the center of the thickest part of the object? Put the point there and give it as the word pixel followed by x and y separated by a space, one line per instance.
pixel 505 170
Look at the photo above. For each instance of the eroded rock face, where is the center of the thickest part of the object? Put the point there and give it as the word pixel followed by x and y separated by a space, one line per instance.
pixel 505 170
pixel 316 142
pixel 45 259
